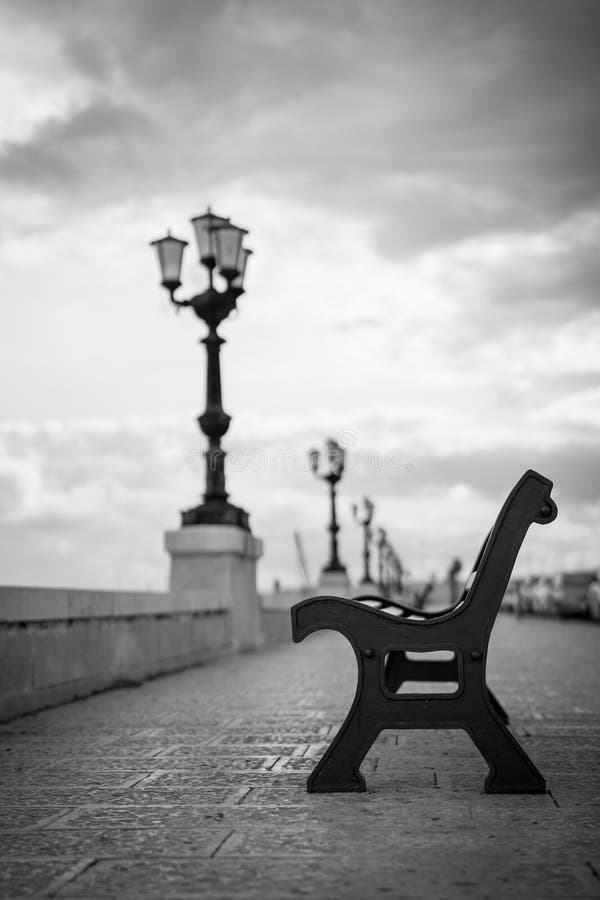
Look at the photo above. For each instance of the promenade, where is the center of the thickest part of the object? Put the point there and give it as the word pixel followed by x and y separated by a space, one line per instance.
pixel 193 785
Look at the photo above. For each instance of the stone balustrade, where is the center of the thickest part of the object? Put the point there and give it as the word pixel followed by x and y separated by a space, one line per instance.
pixel 57 645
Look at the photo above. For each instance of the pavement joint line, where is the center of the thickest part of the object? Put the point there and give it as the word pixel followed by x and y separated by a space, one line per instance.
pixel 244 797
pixel 70 875
pixel 162 751
pixel 147 778
pixel 219 738
pixel 237 796
pixel 59 823
pixel 130 782
pixel 554 800
pixel 49 820
pixel 316 749
pixel 229 723
pixel 593 869
pixel 236 840
pixel 300 750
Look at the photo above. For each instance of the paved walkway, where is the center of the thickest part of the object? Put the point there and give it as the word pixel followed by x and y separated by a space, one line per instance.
pixel 193 785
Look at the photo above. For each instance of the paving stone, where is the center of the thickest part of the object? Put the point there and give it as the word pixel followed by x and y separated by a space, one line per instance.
pixel 214 753
pixel 29 794
pixel 29 877
pixel 303 764
pixel 203 840
pixel 72 778
pixel 348 876
pixel 19 817
pixel 188 786
pixel 279 738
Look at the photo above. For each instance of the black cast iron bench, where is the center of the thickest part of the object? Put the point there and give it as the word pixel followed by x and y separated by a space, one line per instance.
pixel 380 635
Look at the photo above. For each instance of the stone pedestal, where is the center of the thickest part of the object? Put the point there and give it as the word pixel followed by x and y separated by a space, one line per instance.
pixel 214 567
pixel 367 587
pixel 337 584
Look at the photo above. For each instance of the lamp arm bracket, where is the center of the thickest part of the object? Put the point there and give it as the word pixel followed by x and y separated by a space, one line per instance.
pixel 180 303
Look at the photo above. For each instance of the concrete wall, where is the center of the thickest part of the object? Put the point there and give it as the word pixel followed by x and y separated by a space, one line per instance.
pixel 276 626
pixel 276 620
pixel 56 645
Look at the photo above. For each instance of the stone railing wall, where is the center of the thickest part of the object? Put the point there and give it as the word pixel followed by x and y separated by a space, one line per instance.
pixel 275 615
pixel 57 645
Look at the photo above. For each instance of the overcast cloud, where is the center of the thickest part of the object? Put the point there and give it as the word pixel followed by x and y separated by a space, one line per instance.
pixel 420 180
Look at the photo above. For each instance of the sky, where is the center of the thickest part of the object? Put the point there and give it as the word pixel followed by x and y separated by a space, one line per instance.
pixel 420 183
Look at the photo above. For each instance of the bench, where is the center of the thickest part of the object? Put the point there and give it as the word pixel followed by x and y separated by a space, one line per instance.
pixel 382 635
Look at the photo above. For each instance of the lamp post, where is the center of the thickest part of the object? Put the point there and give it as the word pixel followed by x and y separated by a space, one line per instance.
pixel 397 571
pixel 453 573
pixel 336 459
pixel 390 568
pixel 381 555
pixel 365 523
pixel 220 248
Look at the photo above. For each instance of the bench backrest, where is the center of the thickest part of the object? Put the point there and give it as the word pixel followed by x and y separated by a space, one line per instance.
pixel 529 501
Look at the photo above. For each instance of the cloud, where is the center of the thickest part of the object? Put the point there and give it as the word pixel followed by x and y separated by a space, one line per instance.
pixel 62 151
pixel 358 324
pixel 85 504
pixel 431 121
pixel 555 268
pixel 525 311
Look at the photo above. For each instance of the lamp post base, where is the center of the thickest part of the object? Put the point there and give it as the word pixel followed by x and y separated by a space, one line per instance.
pixel 334 582
pixel 368 587
pixel 213 569
pixel 216 512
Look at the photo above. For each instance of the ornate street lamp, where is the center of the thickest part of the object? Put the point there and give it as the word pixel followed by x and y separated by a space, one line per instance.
pixel 365 523
pixel 336 460
pixel 220 248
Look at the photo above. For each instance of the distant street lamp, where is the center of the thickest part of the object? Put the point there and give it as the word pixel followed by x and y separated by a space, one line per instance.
pixel 396 571
pixel 220 247
pixel 453 573
pixel 391 570
pixel 336 459
pixel 365 523
pixel 381 554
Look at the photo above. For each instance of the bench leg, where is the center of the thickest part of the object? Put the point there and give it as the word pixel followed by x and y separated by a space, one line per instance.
pixel 339 767
pixel 511 769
